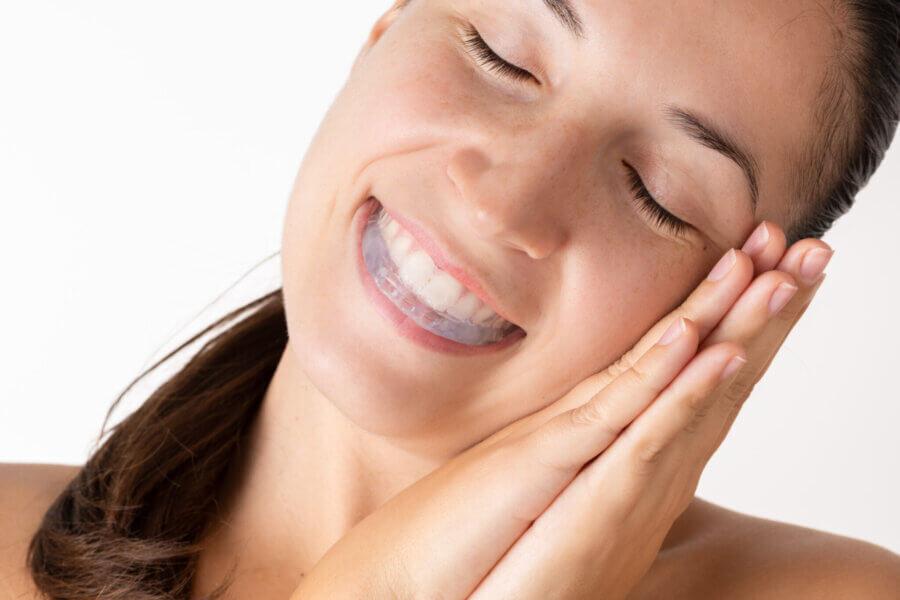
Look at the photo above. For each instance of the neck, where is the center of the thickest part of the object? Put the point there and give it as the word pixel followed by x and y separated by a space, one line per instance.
pixel 306 476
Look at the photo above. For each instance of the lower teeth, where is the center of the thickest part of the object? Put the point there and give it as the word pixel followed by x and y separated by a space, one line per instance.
pixel 384 273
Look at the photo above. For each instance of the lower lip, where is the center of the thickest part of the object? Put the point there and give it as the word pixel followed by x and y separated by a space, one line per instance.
pixel 408 328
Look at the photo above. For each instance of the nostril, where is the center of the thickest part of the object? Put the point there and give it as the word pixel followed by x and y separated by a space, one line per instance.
pixel 536 254
pixel 543 248
pixel 536 238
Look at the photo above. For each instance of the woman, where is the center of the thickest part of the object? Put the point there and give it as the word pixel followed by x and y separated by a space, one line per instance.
pixel 514 323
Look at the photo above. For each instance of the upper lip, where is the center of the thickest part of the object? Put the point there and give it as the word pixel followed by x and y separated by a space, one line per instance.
pixel 447 259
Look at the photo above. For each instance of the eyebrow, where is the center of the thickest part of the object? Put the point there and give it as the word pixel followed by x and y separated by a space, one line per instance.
pixel 709 135
pixel 567 15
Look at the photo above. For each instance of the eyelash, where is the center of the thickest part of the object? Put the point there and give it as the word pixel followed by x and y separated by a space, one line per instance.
pixel 646 203
pixel 489 59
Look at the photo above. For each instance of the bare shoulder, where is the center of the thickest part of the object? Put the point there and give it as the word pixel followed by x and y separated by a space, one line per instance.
pixel 715 552
pixel 26 491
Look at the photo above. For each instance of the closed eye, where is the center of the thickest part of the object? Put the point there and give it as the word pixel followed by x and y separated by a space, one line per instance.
pixel 490 60
pixel 650 207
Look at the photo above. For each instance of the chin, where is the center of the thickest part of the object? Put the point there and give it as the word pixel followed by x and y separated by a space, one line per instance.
pixel 342 351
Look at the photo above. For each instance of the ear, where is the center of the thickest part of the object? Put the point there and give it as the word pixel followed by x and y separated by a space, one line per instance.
pixel 380 26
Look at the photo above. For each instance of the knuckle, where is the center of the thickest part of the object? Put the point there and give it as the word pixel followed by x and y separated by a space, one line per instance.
pixel 647 453
pixel 594 412
pixel 639 376
pixel 697 415
pixel 739 391
pixel 622 365
pixel 697 401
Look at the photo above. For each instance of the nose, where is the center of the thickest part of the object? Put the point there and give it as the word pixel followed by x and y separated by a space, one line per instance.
pixel 514 194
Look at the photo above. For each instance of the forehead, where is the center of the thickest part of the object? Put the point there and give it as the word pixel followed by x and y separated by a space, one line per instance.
pixel 756 66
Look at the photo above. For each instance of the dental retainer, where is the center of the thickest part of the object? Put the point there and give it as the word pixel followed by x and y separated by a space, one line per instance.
pixel 387 278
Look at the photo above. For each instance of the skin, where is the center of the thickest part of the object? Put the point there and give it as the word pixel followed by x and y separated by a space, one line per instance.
pixel 525 184
pixel 534 512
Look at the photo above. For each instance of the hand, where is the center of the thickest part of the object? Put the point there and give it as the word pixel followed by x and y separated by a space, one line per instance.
pixel 601 534
pixel 497 521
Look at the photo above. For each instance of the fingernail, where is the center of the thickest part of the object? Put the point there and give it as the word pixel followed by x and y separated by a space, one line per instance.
pixel 757 242
pixel 673 332
pixel 781 296
pixel 813 264
pixel 723 266
pixel 733 366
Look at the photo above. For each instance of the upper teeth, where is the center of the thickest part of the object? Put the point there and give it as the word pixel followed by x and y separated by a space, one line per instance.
pixel 432 285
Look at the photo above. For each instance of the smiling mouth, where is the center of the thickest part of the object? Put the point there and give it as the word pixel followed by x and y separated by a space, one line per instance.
pixel 431 297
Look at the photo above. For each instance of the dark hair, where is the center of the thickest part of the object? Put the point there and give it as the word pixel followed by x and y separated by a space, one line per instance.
pixel 857 112
pixel 128 525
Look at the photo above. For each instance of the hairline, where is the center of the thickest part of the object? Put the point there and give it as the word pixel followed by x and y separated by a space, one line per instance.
pixel 826 152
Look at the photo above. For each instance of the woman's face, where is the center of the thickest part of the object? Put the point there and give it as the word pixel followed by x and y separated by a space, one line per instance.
pixel 526 186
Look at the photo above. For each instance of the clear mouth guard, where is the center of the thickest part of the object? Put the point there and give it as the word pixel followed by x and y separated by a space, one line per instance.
pixel 385 274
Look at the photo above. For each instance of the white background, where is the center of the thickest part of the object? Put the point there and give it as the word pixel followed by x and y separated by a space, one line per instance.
pixel 147 151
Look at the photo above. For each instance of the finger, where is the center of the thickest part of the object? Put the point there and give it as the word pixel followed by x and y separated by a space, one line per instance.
pixel 806 261
pixel 746 324
pixel 572 438
pixel 665 476
pixel 765 246
pixel 765 298
pixel 803 264
pixel 763 347
pixel 763 350
pixel 681 404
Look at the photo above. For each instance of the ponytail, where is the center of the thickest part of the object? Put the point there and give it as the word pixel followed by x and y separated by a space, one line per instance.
pixel 127 526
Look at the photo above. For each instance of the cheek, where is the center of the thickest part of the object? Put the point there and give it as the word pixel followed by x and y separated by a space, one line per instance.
pixel 405 93
pixel 397 99
pixel 616 295
pixel 414 89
